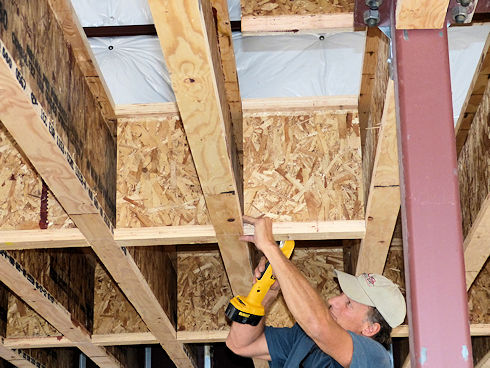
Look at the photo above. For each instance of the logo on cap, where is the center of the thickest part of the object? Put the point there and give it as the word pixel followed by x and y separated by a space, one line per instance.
pixel 371 280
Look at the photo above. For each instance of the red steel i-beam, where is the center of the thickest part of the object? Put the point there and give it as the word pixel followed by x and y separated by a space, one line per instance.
pixel 431 215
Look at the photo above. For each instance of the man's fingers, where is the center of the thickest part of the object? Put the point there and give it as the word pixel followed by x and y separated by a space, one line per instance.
pixel 249 220
pixel 246 238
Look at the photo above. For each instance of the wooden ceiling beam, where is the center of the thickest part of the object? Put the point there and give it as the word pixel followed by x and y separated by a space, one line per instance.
pixel 473 97
pixel 249 105
pixel 177 235
pixel 383 202
pixel 188 37
pixel 415 14
pixel 318 23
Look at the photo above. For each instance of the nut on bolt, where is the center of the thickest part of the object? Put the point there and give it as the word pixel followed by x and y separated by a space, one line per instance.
pixel 371 17
pixel 465 2
pixel 460 13
pixel 375 4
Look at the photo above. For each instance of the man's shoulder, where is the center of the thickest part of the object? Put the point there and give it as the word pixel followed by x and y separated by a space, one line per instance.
pixel 368 350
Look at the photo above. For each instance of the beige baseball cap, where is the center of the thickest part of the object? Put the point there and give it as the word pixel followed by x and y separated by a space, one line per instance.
pixel 376 291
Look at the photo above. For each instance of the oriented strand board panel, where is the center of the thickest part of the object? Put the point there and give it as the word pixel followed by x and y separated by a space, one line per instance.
pixel 23 321
pixel 60 87
pixel 474 164
pixel 67 274
pixel 303 166
pixel 204 291
pixel 478 297
pixel 20 191
pixel 157 184
pixel 296 7
pixel 112 311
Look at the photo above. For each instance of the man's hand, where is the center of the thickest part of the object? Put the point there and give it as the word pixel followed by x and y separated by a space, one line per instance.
pixel 274 289
pixel 262 237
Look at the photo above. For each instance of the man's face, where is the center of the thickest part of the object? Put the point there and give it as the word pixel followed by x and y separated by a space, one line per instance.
pixel 349 314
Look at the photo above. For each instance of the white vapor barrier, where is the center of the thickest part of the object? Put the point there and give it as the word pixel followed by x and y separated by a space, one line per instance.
pixel 234 8
pixel 133 68
pixel 98 13
pixel 465 47
pixel 299 65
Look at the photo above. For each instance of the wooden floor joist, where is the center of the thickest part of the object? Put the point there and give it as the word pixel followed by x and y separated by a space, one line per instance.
pixel 187 337
pixel 48 150
pixel 383 203
pixel 13 275
pixel 473 97
pixel 175 235
pixel 188 37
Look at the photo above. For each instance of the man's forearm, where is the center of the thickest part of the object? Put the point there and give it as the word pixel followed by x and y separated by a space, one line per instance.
pixel 303 301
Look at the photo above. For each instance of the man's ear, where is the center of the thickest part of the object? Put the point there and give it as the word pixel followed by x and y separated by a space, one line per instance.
pixel 371 329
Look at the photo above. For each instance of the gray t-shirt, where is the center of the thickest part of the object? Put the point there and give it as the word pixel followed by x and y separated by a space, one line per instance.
pixel 293 348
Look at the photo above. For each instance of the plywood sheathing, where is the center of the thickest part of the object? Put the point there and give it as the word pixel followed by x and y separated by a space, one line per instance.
pixel 303 166
pixel 474 164
pixel 112 311
pixel 204 291
pixel 60 87
pixel 378 45
pixel 24 322
pixel 20 191
pixel 157 184
pixel 394 266
pixel 296 7
pixel 67 274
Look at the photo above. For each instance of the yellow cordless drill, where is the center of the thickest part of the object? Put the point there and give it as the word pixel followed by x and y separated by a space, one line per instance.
pixel 249 309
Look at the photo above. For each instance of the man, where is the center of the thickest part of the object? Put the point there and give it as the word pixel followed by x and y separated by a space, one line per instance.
pixel 339 333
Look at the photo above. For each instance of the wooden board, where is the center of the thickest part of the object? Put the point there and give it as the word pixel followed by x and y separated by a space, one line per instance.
pixel 417 14
pixel 272 16
pixel 287 7
pixel 383 203
pixel 157 184
pixel 376 97
pixel 20 187
pixel 303 166
pixel 478 297
pixel 57 83
pixel 474 96
pixel 188 38
pixel 179 235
